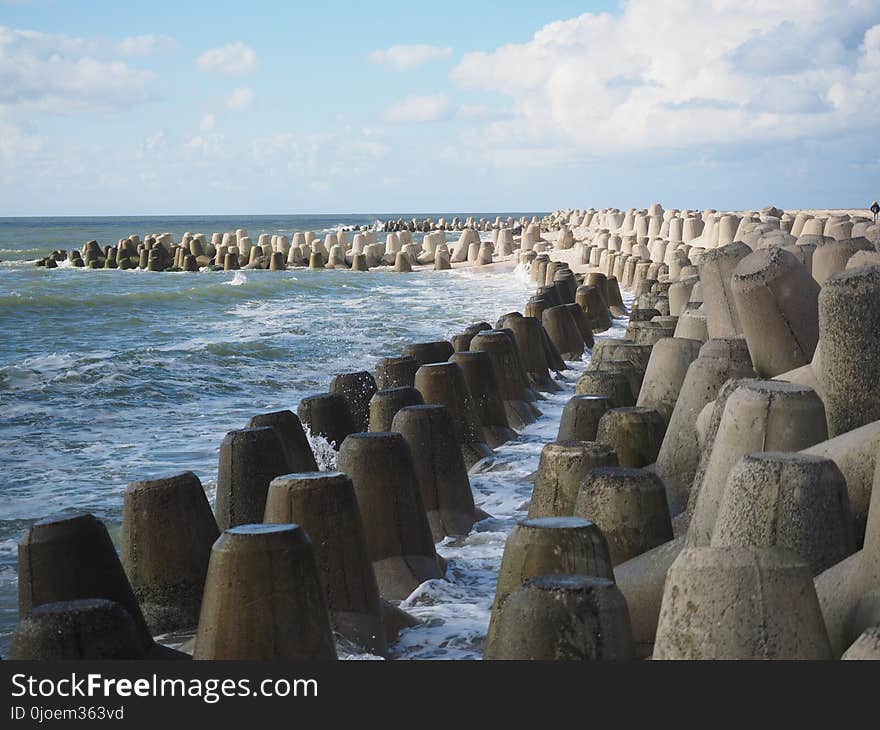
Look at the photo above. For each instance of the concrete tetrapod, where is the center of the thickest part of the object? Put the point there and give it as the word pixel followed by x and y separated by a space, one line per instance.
pixel 592 302
pixel 611 383
pixel 641 580
pixel 444 384
pixel 679 456
pixel 611 350
pixel 612 296
pixel 549 546
pixel 327 415
pixel 563 332
pixel 561 469
pixel 427 353
pixel 849 330
pixel 600 281
pixel 635 434
pixel 462 342
pixel 716 268
pixel 760 415
pixel 399 540
pixel 562 618
pixel 528 332
pixel 287 425
pixel 501 348
pixel 795 501
pixel 440 469
pixel 70 557
pixel 396 372
pixel 692 325
pixel 479 376
pixel 831 256
pixel 777 302
pixel 707 430
pixel 356 389
pixel 667 367
pixel 849 592
pixel 740 603
pixel 82 629
pixel 263 598
pixel 580 417
pixel 167 533
pixel 250 458
pixel 649 332
pixel 628 506
pixel 582 323
pixel 386 403
pixel 855 454
pixel 554 359
pixel 325 506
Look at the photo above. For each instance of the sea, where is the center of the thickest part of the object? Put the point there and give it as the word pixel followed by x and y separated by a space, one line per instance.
pixel 108 377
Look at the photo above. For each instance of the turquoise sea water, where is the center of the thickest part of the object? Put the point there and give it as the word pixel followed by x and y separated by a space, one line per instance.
pixel 107 377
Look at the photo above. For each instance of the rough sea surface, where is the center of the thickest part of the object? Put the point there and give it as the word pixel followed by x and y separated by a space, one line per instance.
pixel 107 377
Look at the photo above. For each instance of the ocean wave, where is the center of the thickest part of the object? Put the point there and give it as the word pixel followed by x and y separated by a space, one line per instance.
pixel 214 290
pixel 45 371
pixel 42 251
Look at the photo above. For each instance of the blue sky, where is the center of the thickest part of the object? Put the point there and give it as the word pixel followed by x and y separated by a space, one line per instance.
pixel 272 107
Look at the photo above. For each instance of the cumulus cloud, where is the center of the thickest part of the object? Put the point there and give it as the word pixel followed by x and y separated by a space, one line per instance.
pixel 685 73
pixel 405 57
pixel 209 121
pixel 241 99
pixel 233 59
pixel 145 45
pixel 55 72
pixel 419 109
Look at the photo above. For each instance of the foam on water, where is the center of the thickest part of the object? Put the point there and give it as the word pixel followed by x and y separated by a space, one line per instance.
pixel 240 279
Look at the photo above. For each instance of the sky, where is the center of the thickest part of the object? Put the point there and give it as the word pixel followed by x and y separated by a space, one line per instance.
pixel 161 108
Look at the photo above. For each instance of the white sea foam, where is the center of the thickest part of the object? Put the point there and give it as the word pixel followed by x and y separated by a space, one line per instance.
pixel 238 279
pixel 325 454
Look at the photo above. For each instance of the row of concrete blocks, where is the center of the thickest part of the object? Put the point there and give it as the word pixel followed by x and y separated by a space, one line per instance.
pixel 301 552
pixel 710 229
pixel 820 253
pixel 334 251
pixel 755 520
pixel 428 225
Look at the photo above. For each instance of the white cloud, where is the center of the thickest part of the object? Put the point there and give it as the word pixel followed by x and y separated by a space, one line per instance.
pixel 209 121
pixel 233 59
pixel 685 73
pixel 419 109
pixel 241 99
pixel 475 111
pixel 154 146
pixel 55 72
pixel 405 57
pixel 318 158
pixel 203 145
pixel 15 143
pixel 145 45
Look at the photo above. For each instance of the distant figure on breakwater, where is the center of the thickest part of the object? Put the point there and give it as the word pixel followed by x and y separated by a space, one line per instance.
pixel 875 209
